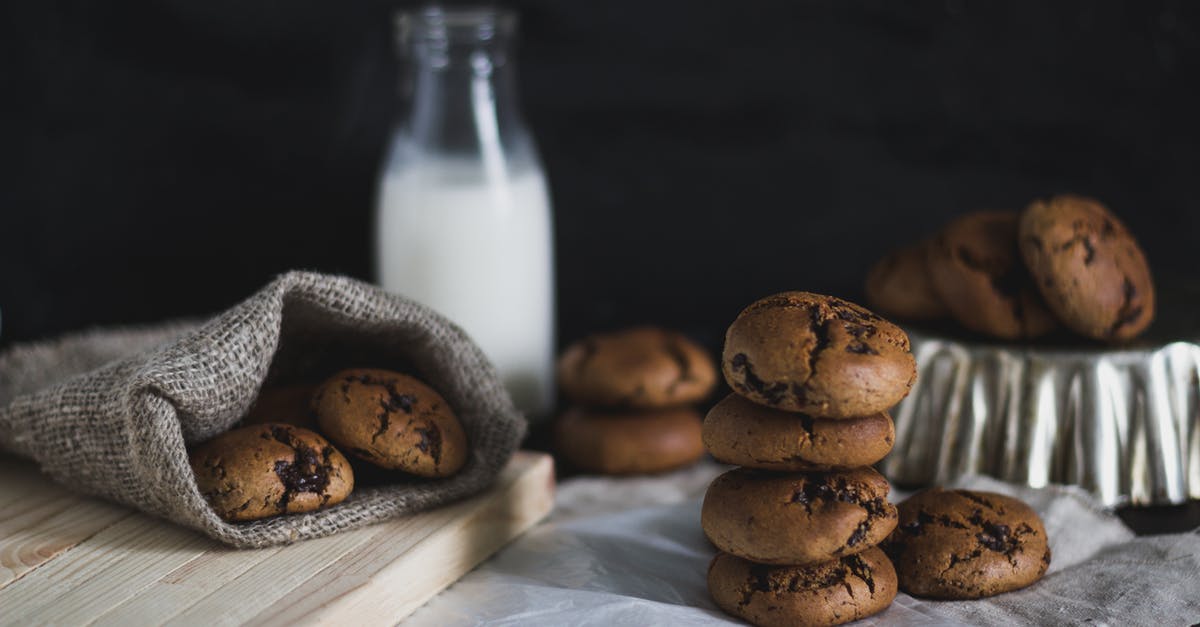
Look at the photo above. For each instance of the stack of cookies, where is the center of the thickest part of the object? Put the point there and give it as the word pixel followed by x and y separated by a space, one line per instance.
pixel 798 523
pixel 631 394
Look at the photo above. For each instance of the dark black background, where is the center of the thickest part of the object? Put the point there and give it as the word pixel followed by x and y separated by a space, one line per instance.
pixel 166 158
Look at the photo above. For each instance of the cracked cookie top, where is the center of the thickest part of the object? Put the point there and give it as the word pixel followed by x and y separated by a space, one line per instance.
pixel 391 420
pixel 640 368
pixel 268 469
pixel 831 593
pixel 1088 266
pixel 977 270
pixel 816 354
pixel 797 518
pixel 960 544
pixel 742 433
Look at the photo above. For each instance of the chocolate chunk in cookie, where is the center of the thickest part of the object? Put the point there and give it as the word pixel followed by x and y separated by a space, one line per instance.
pixel 959 544
pixel 820 355
pixel 743 433
pixel 629 443
pixel 640 368
pixel 269 469
pixel 829 593
pixel 977 270
pixel 899 285
pixel 797 518
pixel 1088 267
pixel 392 421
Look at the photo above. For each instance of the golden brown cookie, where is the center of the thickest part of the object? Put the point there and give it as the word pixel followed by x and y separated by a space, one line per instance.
pixel 829 593
pixel 1088 267
pixel 263 470
pixel 958 544
pixel 899 285
pixel 797 518
pixel 286 404
pixel 634 443
pixel 820 355
pixel 641 368
pixel 977 270
pixel 391 420
pixel 743 433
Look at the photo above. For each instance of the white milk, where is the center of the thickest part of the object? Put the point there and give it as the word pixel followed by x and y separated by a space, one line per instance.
pixel 479 250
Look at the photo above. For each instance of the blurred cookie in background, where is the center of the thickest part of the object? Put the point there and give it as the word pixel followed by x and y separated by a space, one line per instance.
pixel 899 285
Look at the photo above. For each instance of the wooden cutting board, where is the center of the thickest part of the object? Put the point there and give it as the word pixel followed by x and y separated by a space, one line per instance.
pixel 71 560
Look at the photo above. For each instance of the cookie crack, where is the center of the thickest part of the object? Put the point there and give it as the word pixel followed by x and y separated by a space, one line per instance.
pixel 820 330
pixel 860 326
pixel 385 421
pixel 859 569
pixel 807 424
pixel 1127 313
pixel 395 401
pixel 431 441
pixel 821 487
pixel 956 559
pixel 1089 251
pixel 772 392
pixel 924 518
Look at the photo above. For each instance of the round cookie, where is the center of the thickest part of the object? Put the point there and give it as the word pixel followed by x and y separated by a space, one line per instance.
pixel 622 444
pixel 286 404
pixel 742 433
pixel 831 593
pixel 797 518
pixel 640 368
pixel 957 544
pixel 263 470
pixel 977 270
pixel 820 355
pixel 1088 267
pixel 899 285
pixel 392 421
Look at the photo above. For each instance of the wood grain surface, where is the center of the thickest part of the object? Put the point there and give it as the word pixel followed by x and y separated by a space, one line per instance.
pixel 66 559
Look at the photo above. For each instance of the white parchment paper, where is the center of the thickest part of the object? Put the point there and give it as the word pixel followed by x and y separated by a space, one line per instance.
pixel 631 552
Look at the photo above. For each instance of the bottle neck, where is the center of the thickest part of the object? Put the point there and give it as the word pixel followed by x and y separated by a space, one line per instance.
pixel 464 100
pixel 457 106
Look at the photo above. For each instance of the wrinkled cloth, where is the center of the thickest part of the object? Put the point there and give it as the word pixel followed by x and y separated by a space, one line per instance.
pixel 631 552
pixel 111 412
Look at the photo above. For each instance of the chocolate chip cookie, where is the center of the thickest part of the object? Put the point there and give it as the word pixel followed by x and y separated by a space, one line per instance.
pixel 958 544
pixel 820 355
pixel 742 433
pixel 899 285
pixel 264 470
pixel 391 420
pixel 640 368
pixel 797 518
pixel 830 593
pixel 977 270
pixel 286 404
pixel 1088 267
pixel 629 443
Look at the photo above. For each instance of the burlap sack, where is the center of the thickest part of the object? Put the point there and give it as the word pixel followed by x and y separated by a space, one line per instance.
pixel 110 412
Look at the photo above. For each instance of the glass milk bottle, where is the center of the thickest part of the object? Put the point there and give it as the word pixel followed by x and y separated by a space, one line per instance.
pixel 463 215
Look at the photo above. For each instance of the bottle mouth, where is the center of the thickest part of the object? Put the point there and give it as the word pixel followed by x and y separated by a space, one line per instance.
pixel 455 24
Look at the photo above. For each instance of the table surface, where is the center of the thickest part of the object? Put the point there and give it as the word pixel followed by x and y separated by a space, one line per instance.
pixel 68 559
